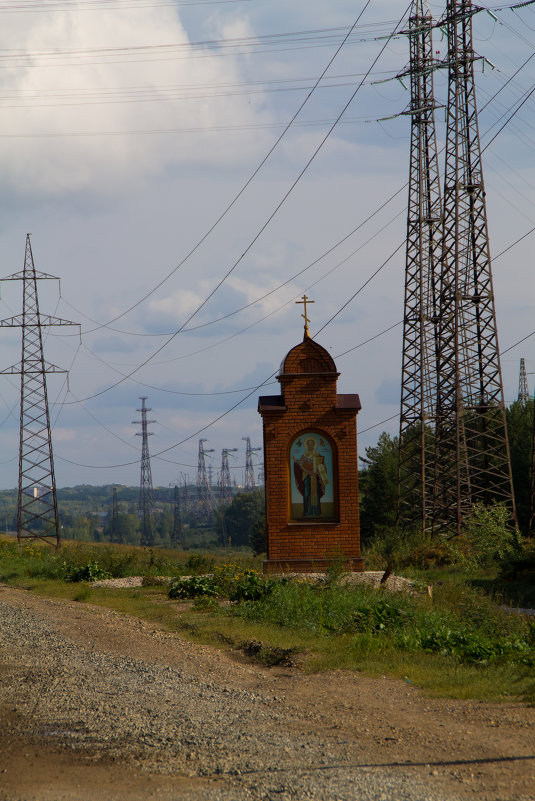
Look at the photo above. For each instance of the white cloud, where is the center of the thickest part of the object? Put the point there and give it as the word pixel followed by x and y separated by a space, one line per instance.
pixel 174 308
pixel 56 107
pixel 64 434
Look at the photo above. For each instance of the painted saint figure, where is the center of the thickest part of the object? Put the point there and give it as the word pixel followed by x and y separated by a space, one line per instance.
pixel 311 478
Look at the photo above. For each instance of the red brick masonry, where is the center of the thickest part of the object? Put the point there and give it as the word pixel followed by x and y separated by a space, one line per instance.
pixel 308 401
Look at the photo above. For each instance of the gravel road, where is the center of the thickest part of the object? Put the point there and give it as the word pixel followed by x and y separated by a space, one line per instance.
pixel 96 705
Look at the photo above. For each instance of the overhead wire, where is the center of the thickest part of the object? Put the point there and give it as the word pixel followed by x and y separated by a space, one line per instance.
pixel 249 180
pixel 195 49
pixel 262 228
pixel 103 5
pixel 494 96
pixel 158 94
pixel 381 267
pixel 398 323
pixel 266 316
pixel 228 208
pixel 226 316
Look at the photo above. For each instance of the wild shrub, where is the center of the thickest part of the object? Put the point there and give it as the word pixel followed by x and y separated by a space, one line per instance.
pixel 487 539
pixel 429 555
pixel 519 565
pixel 251 586
pixel 198 563
pixel 91 571
pixel 393 548
pixel 225 581
pixel 471 630
pixel 192 587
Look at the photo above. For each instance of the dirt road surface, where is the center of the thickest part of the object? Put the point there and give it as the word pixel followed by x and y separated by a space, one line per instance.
pixel 102 707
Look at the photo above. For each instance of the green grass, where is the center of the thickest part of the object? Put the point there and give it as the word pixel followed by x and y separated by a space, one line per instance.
pixel 33 559
pixel 458 644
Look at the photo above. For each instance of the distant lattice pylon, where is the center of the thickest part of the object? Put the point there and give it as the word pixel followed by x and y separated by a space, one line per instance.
pixel 472 449
pixel 225 483
pixel 422 265
pixel 204 503
pixel 523 391
pixel 146 496
pixel 37 507
pixel 249 483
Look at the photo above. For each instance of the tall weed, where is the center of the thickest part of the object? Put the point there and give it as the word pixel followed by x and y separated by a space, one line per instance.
pixel 472 630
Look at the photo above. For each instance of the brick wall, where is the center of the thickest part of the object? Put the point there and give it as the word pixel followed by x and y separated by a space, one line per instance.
pixel 309 401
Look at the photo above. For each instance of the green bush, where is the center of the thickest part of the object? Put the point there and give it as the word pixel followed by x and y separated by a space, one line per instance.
pixel 226 581
pixel 473 630
pixel 519 565
pixel 198 563
pixel 251 587
pixel 487 540
pixel 192 587
pixel 92 571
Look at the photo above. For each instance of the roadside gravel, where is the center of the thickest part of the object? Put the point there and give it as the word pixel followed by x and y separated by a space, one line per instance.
pixel 108 689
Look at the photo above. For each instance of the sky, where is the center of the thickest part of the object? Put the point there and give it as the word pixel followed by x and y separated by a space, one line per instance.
pixel 146 145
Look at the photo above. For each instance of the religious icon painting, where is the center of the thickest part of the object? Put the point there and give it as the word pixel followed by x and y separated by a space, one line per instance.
pixel 312 491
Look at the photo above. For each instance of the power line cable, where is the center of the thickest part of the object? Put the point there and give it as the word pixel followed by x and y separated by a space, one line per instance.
pixel 263 227
pixel 247 183
pixel 100 325
pixel 104 5
pixel 266 294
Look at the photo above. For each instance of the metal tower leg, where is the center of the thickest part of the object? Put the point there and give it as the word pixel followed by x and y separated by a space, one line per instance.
pixel 420 323
pixel 473 462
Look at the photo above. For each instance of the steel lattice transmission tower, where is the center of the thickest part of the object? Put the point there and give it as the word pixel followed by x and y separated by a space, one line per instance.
pixel 249 469
pixel 473 462
pixel 225 483
pixel 523 390
pixel 420 320
pixel 204 494
pixel 37 506
pixel 146 495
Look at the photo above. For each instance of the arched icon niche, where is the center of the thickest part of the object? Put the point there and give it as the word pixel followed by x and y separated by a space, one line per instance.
pixel 313 492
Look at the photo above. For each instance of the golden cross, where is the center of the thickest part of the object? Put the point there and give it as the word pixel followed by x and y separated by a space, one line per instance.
pixel 304 302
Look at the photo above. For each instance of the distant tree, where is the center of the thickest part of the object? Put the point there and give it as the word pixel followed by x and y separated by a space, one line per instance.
pixel 242 519
pixel 128 526
pixel 165 526
pixel 520 431
pixel 378 487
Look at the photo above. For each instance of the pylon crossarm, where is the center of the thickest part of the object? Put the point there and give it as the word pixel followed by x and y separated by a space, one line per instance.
pixel 37 501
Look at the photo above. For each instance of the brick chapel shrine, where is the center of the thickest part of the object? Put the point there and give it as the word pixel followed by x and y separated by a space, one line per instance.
pixel 310 465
